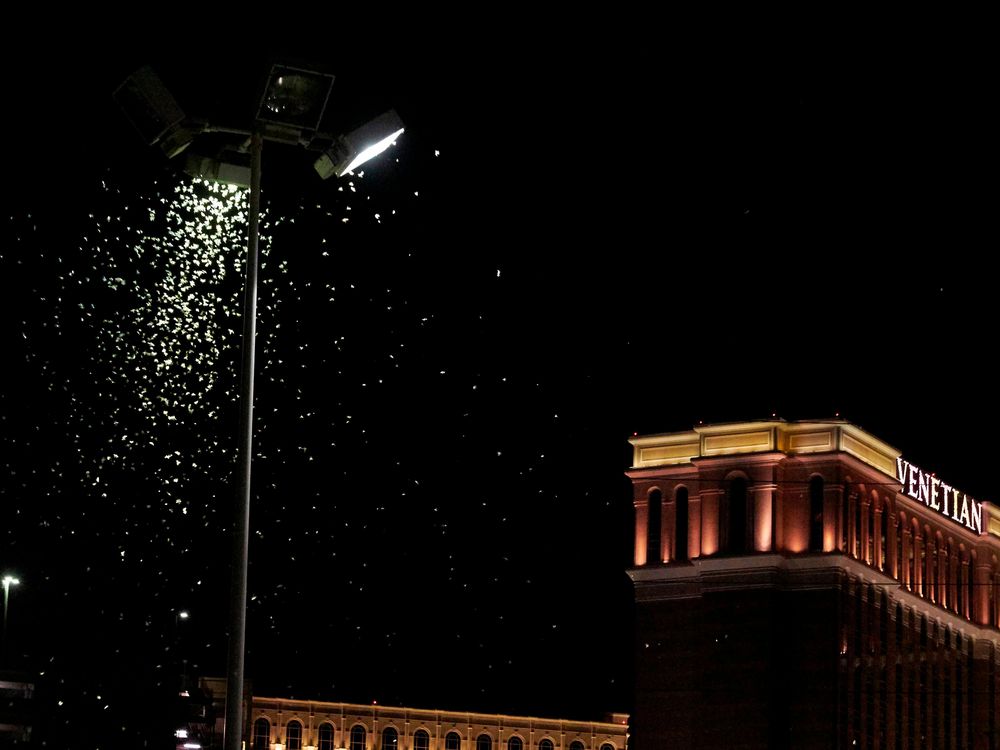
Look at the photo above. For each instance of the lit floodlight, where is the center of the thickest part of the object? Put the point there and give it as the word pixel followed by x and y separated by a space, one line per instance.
pixel 153 111
pixel 352 150
pixel 11 581
pixel 294 97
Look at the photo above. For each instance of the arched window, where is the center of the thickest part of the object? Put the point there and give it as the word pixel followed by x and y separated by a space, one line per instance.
pixel 421 740
pixel 816 514
pixel 576 745
pixel 452 741
pixel 653 552
pixel 545 744
pixel 293 736
pixel 357 737
pixel 681 543
pixel 261 735
pixel 515 743
pixel 607 746
pixel 736 517
pixel 390 739
pixel 326 736
pixel 484 742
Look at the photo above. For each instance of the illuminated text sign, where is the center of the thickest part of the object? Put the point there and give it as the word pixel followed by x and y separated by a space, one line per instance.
pixel 939 496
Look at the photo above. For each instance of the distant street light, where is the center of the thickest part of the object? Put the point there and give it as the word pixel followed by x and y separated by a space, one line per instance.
pixel 290 111
pixel 8 581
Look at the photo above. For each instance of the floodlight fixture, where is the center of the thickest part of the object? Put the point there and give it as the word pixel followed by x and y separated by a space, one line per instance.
pixel 294 99
pixel 153 111
pixel 352 150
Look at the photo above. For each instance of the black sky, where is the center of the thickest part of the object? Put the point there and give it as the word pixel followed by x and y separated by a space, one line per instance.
pixel 613 238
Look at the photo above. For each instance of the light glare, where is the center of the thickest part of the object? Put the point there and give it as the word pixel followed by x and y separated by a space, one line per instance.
pixel 373 151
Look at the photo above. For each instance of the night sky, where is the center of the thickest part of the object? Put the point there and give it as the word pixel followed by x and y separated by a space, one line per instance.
pixel 570 244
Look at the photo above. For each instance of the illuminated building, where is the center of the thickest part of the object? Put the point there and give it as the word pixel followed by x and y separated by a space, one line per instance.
pixel 284 724
pixel 801 585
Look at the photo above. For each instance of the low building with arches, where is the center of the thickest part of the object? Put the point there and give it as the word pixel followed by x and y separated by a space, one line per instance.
pixel 289 724
pixel 280 724
pixel 801 585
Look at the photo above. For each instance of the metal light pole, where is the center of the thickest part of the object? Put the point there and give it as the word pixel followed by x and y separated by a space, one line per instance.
pixel 241 532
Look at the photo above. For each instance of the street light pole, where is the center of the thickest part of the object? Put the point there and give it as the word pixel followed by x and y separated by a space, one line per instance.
pixel 290 111
pixel 241 532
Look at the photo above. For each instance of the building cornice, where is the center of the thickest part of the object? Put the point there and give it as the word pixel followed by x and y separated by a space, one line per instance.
pixel 762 437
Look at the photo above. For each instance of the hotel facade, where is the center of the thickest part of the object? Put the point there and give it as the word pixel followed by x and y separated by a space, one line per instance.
pixel 802 585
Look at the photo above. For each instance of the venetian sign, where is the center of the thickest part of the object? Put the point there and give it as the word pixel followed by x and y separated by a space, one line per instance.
pixel 940 496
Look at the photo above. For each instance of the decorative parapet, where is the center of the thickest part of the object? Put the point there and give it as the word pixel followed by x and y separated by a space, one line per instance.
pixel 791 438
pixel 991 519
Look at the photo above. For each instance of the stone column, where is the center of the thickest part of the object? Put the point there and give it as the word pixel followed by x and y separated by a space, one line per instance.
pixel 641 524
pixel 710 520
pixel 981 593
pixel 877 560
pixel 918 565
pixel 930 585
pixel 953 581
pixel 942 558
pixel 832 512
pixel 763 519
pixel 668 522
pixel 906 571
pixel 890 545
pixel 694 526
pixel 963 582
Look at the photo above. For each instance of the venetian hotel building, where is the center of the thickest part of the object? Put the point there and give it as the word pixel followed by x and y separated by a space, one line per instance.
pixel 802 585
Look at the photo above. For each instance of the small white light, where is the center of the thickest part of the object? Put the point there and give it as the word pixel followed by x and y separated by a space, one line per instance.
pixel 181 734
pixel 182 615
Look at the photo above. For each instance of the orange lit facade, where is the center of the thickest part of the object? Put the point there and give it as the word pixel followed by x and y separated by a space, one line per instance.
pixel 289 724
pixel 279 724
pixel 801 585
